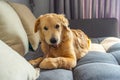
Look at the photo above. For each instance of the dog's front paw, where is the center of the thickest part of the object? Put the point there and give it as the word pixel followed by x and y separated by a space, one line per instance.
pixel 34 63
pixel 49 63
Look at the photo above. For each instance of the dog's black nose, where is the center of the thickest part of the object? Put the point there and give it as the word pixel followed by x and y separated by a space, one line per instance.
pixel 53 40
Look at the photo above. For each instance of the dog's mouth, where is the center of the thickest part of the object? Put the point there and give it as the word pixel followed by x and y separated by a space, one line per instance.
pixel 54 45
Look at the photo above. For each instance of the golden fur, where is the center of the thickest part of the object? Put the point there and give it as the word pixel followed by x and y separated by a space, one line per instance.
pixel 61 45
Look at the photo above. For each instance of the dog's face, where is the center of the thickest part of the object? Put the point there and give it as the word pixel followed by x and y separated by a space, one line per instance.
pixel 51 27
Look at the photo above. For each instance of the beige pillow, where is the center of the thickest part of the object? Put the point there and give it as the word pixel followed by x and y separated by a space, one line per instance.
pixel 15 67
pixel 109 42
pixel 11 29
pixel 97 47
pixel 28 21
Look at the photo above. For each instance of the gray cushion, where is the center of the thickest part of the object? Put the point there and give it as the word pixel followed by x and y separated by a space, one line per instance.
pixel 98 66
pixel 56 74
pixel 113 48
pixel 97 57
pixel 116 54
pixel 97 71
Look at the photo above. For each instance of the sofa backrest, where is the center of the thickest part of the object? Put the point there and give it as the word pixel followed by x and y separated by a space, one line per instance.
pixel 103 27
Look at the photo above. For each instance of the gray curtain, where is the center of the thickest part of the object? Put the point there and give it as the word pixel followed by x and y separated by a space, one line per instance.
pixel 82 9
pixel 77 9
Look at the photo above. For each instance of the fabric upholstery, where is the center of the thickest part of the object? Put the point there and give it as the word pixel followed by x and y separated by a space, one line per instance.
pixel 94 28
pixel 97 71
pixel 28 21
pixel 97 57
pixel 13 66
pixel 11 29
pixel 98 65
pixel 116 54
pixel 57 74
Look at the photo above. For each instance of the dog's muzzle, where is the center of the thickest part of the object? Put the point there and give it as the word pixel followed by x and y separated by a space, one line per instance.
pixel 53 40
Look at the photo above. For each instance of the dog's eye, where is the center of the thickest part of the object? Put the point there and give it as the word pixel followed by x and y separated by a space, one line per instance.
pixel 45 28
pixel 57 26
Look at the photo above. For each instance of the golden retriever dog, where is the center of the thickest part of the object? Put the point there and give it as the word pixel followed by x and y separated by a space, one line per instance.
pixel 61 45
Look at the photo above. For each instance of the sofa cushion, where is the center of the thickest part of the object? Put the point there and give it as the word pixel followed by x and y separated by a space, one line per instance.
pixel 97 66
pixel 116 54
pixel 13 66
pixel 97 57
pixel 28 21
pixel 11 29
pixel 97 71
pixel 102 62
pixel 57 74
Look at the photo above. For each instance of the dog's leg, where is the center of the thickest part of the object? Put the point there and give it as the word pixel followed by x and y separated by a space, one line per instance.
pixel 60 62
pixel 36 62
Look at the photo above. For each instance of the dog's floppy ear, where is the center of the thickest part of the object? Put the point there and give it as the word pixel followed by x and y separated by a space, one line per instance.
pixel 63 20
pixel 37 23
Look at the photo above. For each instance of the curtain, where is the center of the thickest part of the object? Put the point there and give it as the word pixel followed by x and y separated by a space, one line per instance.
pixel 75 9
pixel 82 9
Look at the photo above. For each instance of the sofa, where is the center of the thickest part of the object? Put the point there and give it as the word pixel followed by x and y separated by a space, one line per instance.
pixel 101 62
pixel 17 37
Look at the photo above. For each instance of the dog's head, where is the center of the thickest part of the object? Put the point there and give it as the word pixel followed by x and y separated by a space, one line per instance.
pixel 50 27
